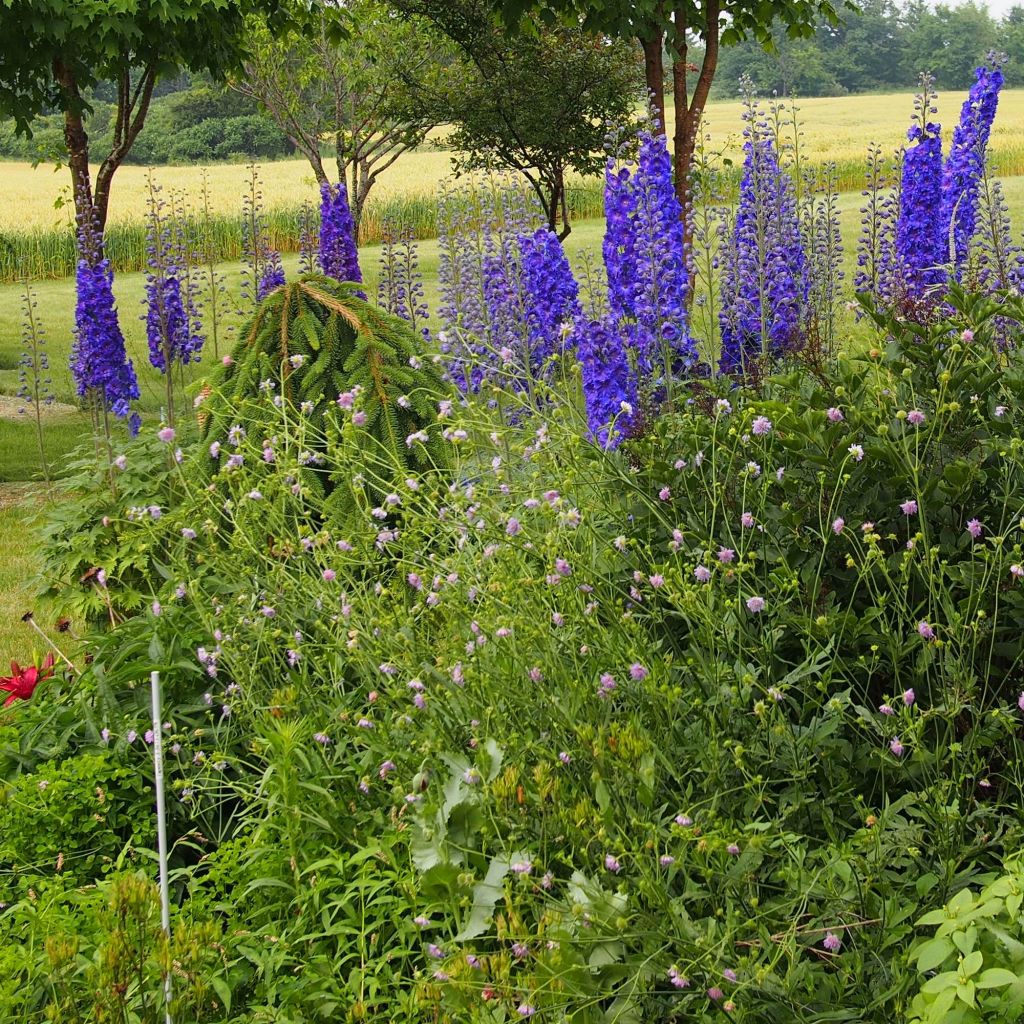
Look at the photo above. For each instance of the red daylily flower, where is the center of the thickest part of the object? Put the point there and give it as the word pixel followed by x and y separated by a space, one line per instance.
pixel 22 683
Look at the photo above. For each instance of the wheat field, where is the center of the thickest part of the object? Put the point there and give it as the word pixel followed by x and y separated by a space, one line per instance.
pixel 833 129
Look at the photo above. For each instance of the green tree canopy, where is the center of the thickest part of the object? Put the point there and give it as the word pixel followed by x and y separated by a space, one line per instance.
pixel 53 51
pixel 537 102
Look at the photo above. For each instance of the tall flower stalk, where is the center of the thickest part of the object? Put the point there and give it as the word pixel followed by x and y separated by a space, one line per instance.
pixel 213 280
pixel 103 373
pixel 35 383
pixel 648 277
pixel 965 166
pixel 920 231
pixel 172 323
pixel 400 284
pixel 339 256
pixel 763 267
pixel 261 265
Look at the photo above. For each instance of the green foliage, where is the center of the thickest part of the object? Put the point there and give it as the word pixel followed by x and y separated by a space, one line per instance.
pixel 90 531
pixel 347 365
pixel 69 823
pixel 974 965
pixel 98 954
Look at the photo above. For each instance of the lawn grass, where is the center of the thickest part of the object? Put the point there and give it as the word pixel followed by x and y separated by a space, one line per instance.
pixel 19 505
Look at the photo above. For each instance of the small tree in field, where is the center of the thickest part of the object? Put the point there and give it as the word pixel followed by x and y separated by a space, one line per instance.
pixel 319 84
pixel 537 102
pixel 53 52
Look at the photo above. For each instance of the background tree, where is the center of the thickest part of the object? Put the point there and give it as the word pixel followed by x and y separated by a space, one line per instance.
pixel 52 52
pixel 318 84
pixel 661 25
pixel 537 102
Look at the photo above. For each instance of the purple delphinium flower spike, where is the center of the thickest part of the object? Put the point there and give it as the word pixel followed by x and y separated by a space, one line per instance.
pixel 272 276
pixel 609 382
pixel 552 295
pixel 764 281
pixel 965 165
pixel 99 363
pixel 339 257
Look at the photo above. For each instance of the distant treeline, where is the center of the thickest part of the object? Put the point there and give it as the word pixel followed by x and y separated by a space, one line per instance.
pixel 191 121
pixel 885 46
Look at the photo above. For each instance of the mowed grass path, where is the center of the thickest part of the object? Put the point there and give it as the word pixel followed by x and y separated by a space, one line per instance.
pixel 836 129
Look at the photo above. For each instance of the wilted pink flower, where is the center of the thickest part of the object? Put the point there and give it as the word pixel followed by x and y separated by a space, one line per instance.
pixel 677 979
pixel 715 993
pixel 1017 570
pixel 886 709
pixel 896 746
pixel 909 697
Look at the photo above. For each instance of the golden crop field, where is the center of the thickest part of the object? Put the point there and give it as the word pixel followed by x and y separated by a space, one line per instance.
pixel 833 129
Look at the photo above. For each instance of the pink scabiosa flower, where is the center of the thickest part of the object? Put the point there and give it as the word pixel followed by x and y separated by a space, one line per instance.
pixel 166 434
pixel 909 507
pixel 834 415
pixel 512 527
pixel 702 574
pixel 909 697
pixel 761 427
pixel 715 993
pixel 857 452
pixel 896 746
pixel 915 417
pixel 657 580
pixel 677 979
pixel 611 864
pixel 733 850
pixel 747 520
pixel 359 418
pixel 665 494
pixel 755 605
pixel 925 631
pixel 1020 700
pixel 525 1010
pixel 638 671
pixel 726 555
pixel 1017 571
pixel 837 525
pixel 967 336
pixel 666 860
pixel 974 528
pixel 886 709
pixel 329 575
pixel 832 942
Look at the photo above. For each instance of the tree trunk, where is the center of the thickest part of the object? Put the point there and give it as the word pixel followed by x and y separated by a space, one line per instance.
pixel 653 41
pixel 76 139
pixel 690 111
